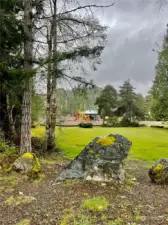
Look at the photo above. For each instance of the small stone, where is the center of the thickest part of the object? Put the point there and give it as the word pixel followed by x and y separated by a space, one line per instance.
pixel 134 179
pixel 103 184
pixel 20 193
pixel 159 218
pixel 143 218
pixel 122 197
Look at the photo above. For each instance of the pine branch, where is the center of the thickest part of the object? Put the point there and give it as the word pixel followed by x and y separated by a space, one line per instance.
pixel 78 8
pixel 82 81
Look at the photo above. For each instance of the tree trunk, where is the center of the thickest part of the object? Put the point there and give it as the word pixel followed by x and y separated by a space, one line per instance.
pixel 25 145
pixel 10 118
pixel 48 119
pixel 4 122
pixel 51 87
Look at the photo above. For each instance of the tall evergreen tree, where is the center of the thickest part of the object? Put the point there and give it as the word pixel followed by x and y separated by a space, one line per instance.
pixel 160 84
pixel 107 101
pixel 127 98
pixel 11 37
pixel 128 106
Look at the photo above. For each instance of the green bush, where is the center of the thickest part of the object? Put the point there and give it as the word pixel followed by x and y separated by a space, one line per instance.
pixel 86 125
pixel 112 121
pixel 142 125
pixel 134 124
pixel 125 122
pixel 8 149
pixel 157 126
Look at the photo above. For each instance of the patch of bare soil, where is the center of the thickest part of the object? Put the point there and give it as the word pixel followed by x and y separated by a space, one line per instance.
pixel 138 202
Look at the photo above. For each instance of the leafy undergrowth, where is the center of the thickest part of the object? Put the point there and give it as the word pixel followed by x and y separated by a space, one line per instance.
pixel 138 202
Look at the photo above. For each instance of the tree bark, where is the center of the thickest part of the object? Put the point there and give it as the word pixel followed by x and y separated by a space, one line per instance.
pixel 4 122
pixel 25 145
pixel 48 108
pixel 10 118
pixel 51 86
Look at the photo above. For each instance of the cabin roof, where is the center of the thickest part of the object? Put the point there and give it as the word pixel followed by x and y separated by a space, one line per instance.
pixel 91 112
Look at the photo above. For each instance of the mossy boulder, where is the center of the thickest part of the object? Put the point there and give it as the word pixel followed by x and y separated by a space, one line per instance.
pixel 27 164
pixel 159 172
pixel 101 160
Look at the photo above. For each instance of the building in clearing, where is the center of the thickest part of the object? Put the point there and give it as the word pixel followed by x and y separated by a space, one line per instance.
pixel 93 114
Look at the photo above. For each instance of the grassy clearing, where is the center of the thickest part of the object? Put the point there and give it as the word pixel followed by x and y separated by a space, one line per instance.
pixel 148 143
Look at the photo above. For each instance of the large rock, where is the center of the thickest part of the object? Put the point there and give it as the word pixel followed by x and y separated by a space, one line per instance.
pixel 159 172
pixel 101 160
pixel 27 164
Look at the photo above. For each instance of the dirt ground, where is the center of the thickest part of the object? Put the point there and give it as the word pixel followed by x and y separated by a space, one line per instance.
pixel 138 202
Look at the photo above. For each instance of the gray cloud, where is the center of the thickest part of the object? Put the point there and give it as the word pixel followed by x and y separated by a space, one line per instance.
pixel 136 27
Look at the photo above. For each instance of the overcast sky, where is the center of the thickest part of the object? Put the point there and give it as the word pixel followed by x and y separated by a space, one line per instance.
pixel 136 26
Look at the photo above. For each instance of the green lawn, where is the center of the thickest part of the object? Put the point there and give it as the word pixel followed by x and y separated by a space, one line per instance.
pixel 147 143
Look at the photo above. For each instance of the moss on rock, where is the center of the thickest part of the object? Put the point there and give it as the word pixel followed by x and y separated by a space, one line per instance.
pixel 158 168
pixel 27 164
pixel 159 171
pixel 28 155
pixel 106 141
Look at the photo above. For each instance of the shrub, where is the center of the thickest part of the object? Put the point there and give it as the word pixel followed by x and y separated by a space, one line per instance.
pixel 134 124
pixel 38 145
pixel 142 125
pixel 157 126
pixel 86 125
pixel 8 157
pixel 125 122
pixel 8 153
pixel 8 149
pixel 112 121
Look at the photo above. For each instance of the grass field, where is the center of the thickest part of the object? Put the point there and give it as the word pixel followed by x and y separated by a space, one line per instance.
pixel 147 143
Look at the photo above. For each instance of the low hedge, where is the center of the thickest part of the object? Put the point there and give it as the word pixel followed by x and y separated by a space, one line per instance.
pixel 86 125
pixel 157 126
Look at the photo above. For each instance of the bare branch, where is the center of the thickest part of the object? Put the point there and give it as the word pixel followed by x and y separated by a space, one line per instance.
pixel 87 6
pixel 78 8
